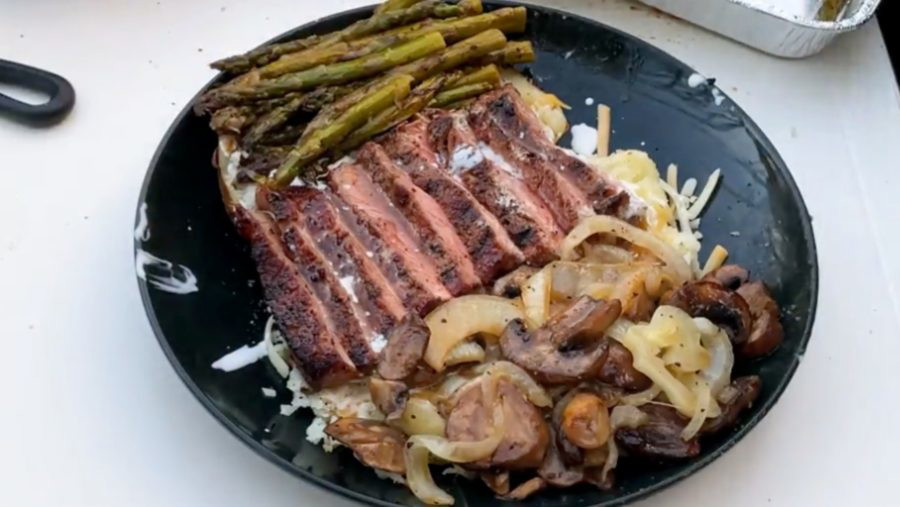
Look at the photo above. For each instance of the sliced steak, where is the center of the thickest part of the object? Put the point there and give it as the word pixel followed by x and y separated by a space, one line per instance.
pixel 342 304
pixel 489 246
pixel 300 315
pixel 435 232
pixel 348 257
pixel 498 121
pixel 389 236
pixel 498 187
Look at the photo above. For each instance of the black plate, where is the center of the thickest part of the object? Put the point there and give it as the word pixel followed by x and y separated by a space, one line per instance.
pixel 653 109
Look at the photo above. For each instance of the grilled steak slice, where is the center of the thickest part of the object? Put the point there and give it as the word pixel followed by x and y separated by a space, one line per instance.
pixel 513 116
pixel 348 257
pixel 341 302
pixel 435 231
pixel 498 120
pixel 389 237
pixel 489 246
pixel 498 187
pixel 300 315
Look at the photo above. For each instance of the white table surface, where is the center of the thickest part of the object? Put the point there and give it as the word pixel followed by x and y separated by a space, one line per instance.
pixel 92 413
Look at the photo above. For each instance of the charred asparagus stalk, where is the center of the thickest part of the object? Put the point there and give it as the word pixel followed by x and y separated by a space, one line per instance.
pixel 343 72
pixel 339 52
pixel 454 56
pixel 288 134
pixel 510 20
pixel 417 100
pixel 271 121
pixel 459 93
pixel 231 120
pixel 513 53
pixel 392 5
pixel 488 73
pixel 316 142
pixel 379 22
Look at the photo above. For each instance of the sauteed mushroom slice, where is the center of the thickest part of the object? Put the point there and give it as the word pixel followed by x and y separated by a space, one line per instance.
pixel 568 348
pixel 766 333
pixel 723 307
pixel 618 369
pixel 660 436
pixel 389 396
pixel 734 399
pixel 554 470
pixel 525 431
pixel 730 276
pixel 405 346
pixel 373 443
pixel 585 421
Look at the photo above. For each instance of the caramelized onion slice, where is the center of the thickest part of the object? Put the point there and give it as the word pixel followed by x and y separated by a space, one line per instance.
pixel 536 297
pixel 522 380
pixel 420 448
pixel 462 317
pixel 678 269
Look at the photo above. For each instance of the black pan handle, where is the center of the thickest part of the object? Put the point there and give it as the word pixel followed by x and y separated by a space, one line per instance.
pixel 62 95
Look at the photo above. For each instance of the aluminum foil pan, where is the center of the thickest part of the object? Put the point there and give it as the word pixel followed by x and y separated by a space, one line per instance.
pixel 788 28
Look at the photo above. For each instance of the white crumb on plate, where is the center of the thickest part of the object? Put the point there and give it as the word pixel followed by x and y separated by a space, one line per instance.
pixel 695 80
pixel 268 392
pixel 237 359
pixel 589 101
pixel 315 432
pixel 584 139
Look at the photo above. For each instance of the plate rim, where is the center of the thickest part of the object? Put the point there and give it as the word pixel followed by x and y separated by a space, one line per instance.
pixel 694 465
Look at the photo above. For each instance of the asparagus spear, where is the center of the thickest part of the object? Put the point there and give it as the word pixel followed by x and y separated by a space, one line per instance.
pixel 350 70
pixel 458 54
pixel 508 20
pixel 379 22
pixel 288 134
pixel 488 73
pixel 271 121
pixel 316 142
pixel 392 5
pixel 231 120
pixel 513 53
pixel 417 100
pixel 456 94
pixel 471 7
pixel 339 52
pixel 459 104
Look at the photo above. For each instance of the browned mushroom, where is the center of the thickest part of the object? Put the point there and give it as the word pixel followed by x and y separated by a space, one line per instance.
pixel 373 443
pixel 405 346
pixel 554 470
pixel 730 276
pixel 570 453
pixel 526 489
pixel 585 421
pixel 497 480
pixel 766 333
pixel 509 285
pixel 660 436
pixel 723 307
pixel 525 431
pixel 569 347
pixel 389 396
pixel 734 399
pixel 618 369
